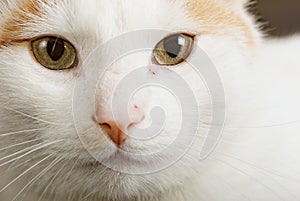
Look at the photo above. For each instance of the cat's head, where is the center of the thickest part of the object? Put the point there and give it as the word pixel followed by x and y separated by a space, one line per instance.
pixel 46 47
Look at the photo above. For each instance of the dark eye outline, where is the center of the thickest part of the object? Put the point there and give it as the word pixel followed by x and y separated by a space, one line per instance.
pixel 55 65
pixel 159 52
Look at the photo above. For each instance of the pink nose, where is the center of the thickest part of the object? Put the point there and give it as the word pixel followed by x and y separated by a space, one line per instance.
pixel 116 129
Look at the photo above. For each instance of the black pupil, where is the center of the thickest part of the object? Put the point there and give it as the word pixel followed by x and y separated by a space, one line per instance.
pixel 55 48
pixel 172 46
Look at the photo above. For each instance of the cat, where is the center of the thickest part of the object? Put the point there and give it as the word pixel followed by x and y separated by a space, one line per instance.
pixel 56 145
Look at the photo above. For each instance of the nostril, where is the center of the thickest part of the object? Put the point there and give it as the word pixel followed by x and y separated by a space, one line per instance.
pixel 114 132
pixel 136 122
pixel 105 127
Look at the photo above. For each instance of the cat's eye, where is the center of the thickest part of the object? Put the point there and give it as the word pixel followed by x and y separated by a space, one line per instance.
pixel 54 53
pixel 173 49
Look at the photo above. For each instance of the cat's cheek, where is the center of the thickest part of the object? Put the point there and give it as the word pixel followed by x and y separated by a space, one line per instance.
pixel 41 84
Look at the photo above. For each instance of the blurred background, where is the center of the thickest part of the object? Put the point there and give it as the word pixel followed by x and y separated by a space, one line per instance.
pixel 281 17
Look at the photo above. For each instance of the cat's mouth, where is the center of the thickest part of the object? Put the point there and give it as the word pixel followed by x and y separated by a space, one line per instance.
pixel 120 161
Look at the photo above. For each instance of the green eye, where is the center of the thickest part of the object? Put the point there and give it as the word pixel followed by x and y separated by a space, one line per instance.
pixel 54 53
pixel 173 49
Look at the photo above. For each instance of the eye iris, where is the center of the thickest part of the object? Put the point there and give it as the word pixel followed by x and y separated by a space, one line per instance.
pixel 55 48
pixel 173 49
pixel 172 46
pixel 54 53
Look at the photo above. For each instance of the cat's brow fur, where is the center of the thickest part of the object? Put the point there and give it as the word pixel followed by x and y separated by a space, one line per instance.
pixel 22 14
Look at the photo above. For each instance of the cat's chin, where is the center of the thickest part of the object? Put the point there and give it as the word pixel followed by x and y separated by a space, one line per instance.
pixel 121 161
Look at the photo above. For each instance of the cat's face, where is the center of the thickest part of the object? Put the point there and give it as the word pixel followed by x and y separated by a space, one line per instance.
pixel 39 101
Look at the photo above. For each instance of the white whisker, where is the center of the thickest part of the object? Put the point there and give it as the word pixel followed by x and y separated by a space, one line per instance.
pixel 267 172
pixel 88 195
pixel 247 175
pixel 22 174
pixel 29 152
pixel 20 132
pixel 223 180
pixel 252 165
pixel 68 174
pixel 32 117
pixel 19 152
pixel 52 180
pixel 43 172
pixel 16 165
pixel 18 144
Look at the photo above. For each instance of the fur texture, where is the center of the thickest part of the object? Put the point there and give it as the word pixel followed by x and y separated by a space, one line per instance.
pixel 43 158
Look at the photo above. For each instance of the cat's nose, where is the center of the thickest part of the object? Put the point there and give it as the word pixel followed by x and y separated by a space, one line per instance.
pixel 117 129
pixel 116 132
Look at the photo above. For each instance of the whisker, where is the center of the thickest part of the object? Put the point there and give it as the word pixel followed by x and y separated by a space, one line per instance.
pixel 247 175
pixel 69 173
pixel 268 171
pixel 221 180
pixel 20 132
pixel 91 193
pixel 35 179
pixel 265 126
pixel 52 180
pixel 32 117
pixel 29 152
pixel 16 165
pixel 204 137
pixel 226 182
pixel 22 174
pixel 87 196
pixel 19 152
pixel 18 144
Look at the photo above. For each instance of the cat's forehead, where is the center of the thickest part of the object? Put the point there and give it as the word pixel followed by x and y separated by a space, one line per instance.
pixel 110 18
pixel 100 18
pixel 104 19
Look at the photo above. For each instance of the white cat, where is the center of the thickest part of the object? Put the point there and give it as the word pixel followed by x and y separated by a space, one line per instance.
pixel 73 110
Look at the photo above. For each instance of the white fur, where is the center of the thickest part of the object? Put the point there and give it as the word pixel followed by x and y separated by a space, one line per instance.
pixel 256 158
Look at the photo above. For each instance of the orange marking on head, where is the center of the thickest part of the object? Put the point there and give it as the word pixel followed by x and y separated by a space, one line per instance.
pixel 21 17
pixel 216 19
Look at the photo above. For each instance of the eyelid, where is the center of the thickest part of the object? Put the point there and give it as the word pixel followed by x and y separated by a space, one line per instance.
pixel 193 36
pixel 48 35
pixel 73 43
